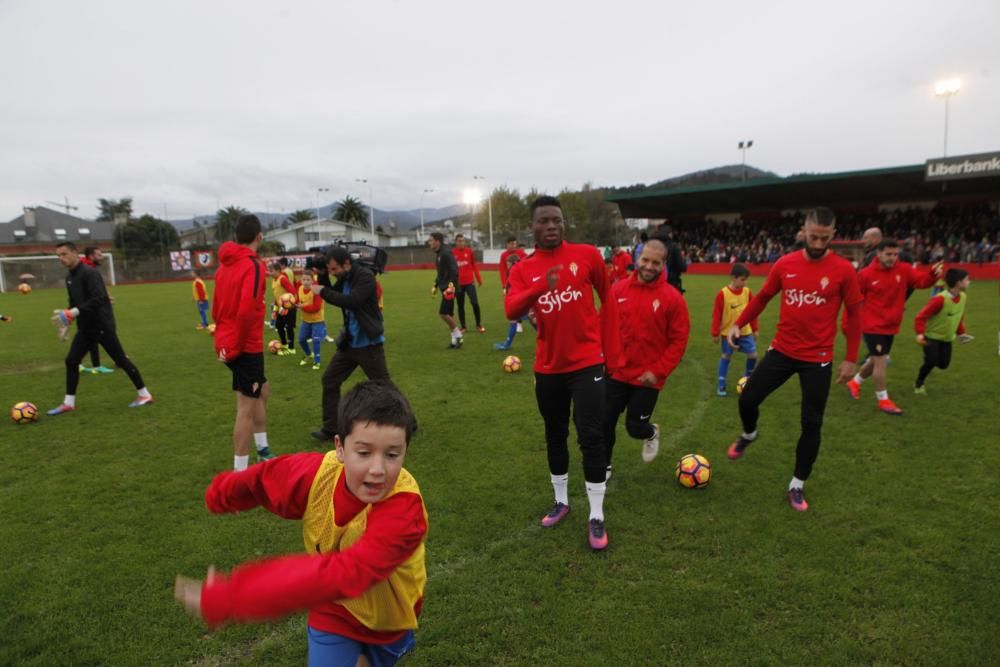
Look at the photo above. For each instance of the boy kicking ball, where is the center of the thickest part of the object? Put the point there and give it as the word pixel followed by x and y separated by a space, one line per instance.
pixel 363 523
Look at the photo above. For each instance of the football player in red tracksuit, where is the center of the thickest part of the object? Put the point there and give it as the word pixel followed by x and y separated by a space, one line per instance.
pixel 468 277
pixel 238 312
pixel 653 318
pixel 575 342
pixel 512 249
pixel 814 283
pixel 884 285
pixel 620 262
pixel 363 524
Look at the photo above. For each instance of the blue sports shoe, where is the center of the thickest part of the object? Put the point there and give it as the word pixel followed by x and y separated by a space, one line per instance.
pixel 264 454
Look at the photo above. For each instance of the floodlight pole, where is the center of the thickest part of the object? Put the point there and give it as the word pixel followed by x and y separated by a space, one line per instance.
pixel 489 204
pixel 744 146
pixel 426 190
pixel 371 208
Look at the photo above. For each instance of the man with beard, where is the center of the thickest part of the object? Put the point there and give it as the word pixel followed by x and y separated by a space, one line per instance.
pixel 814 282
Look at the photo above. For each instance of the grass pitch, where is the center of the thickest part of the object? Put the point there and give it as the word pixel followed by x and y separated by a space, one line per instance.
pixel 893 564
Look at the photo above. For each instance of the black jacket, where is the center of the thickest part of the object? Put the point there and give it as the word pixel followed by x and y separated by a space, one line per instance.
pixel 86 292
pixel 447 269
pixel 362 300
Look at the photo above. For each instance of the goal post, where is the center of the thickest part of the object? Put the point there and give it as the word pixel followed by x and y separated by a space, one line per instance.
pixel 47 269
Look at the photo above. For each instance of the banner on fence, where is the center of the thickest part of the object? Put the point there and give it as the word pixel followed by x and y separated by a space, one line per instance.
pixel 180 260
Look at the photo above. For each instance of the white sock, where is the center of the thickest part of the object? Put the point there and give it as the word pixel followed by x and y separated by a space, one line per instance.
pixel 595 494
pixel 260 439
pixel 858 378
pixel 144 393
pixel 749 436
pixel 796 483
pixel 882 395
pixel 240 463
pixel 456 333
pixel 560 485
pixel 70 400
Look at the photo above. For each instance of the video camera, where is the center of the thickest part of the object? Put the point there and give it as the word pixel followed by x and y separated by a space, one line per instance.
pixel 370 256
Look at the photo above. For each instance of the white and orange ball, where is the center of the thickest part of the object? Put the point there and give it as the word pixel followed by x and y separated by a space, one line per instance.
pixel 274 347
pixel 24 412
pixel 511 364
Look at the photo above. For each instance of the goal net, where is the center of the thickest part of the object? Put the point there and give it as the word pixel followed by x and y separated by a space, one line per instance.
pixel 46 269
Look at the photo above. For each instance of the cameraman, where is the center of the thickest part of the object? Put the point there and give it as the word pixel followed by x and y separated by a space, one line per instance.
pixel 359 342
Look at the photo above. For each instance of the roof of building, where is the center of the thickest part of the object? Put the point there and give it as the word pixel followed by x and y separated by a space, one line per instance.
pixel 42 225
pixel 851 188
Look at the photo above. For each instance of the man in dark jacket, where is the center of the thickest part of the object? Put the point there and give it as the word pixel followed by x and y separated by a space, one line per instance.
pixel 445 281
pixel 90 307
pixel 359 343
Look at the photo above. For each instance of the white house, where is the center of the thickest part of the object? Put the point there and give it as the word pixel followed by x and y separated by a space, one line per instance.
pixel 312 233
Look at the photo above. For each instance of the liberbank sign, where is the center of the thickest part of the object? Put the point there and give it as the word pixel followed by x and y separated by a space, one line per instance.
pixel 963 166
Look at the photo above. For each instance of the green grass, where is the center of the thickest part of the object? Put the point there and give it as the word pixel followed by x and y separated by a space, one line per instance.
pixel 894 564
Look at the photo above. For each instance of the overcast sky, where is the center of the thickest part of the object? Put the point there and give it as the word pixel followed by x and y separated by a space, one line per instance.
pixel 191 104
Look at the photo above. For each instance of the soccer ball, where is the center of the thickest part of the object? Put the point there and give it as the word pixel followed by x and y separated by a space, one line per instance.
pixel 741 384
pixel 211 328
pixel 693 471
pixel 274 347
pixel 24 412
pixel 287 300
pixel 511 364
pixel 24 288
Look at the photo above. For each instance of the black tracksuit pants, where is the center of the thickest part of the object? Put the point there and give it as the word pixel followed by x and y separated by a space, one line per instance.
pixel 584 390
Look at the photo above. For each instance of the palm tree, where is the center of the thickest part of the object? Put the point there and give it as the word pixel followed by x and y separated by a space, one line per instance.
pixel 110 209
pixel 301 215
pixel 351 210
pixel 225 222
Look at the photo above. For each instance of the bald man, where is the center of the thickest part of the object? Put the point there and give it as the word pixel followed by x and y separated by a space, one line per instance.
pixel 869 243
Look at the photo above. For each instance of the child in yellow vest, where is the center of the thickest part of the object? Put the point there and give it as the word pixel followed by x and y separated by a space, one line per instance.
pixel 199 294
pixel 940 322
pixel 313 325
pixel 364 523
pixel 730 302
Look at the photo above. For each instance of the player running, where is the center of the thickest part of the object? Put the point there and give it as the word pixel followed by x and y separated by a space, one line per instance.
pixel 653 318
pixel 814 283
pixel 575 341
pixel 939 323
pixel 884 285
pixel 90 307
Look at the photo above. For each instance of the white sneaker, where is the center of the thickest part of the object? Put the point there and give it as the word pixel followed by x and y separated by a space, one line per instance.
pixel 651 447
pixel 520 329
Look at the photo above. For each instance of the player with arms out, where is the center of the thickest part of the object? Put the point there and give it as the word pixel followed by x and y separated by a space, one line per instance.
pixel 939 323
pixel 885 283
pixel 574 344
pixel 730 302
pixel 238 312
pixel 363 524
pixel 814 282
pixel 653 318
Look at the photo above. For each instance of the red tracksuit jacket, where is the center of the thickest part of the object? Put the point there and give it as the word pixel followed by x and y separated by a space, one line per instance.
pixel 884 291
pixel 238 308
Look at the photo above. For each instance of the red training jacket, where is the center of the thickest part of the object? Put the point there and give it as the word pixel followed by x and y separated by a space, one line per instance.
pixel 620 263
pixel 503 263
pixel 277 586
pixel 812 293
pixel 653 319
pixel 468 270
pixel 571 333
pixel 238 308
pixel 884 291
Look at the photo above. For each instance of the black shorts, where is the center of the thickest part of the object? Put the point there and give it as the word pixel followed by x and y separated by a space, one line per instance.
pixel 447 307
pixel 248 374
pixel 878 344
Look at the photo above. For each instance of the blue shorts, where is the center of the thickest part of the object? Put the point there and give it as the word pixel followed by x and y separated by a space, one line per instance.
pixel 745 344
pixel 329 650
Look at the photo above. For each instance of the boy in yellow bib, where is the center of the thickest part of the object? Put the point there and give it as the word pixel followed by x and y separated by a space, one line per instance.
pixel 940 322
pixel 363 523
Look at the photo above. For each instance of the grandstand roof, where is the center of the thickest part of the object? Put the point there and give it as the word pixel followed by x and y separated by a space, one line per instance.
pixel 849 188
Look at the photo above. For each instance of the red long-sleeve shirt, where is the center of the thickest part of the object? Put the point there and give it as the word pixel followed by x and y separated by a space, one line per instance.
pixel 503 263
pixel 274 587
pixel 468 270
pixel 884 292
pixel 654 323
pixel 572 334
pixel 934 307
pixel 238 309
pixel 813 291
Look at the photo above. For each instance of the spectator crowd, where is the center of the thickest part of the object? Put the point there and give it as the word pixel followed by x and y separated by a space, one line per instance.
pixel 952 234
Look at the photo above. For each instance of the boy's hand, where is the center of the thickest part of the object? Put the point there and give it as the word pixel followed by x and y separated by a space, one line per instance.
pixel 188 592
pixel 966 338
pixel 921 340
pixel 716 339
